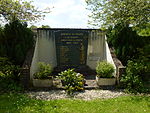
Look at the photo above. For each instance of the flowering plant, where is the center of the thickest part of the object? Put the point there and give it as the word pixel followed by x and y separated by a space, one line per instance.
pixel 72 81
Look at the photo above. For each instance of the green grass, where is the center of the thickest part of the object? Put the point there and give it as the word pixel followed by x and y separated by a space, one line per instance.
pixel 20 103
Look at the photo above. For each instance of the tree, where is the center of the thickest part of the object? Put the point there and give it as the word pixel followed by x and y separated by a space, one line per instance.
pixel 126 42
pixel 33 27
pixel 20 9
pixel 15 41
pixel 111 12
pixel 45 26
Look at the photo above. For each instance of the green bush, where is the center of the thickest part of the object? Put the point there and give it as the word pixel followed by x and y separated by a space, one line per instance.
pixel 9 70
pixel 4 61
pixel 15 41
pixel 132 81
pixel 126 42
pixel 72 81
pixel 44 71
pixel 105 69
pixel 7 85
pixel 9 76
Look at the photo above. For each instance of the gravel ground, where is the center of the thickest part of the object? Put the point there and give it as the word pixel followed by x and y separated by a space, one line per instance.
pixel 86 95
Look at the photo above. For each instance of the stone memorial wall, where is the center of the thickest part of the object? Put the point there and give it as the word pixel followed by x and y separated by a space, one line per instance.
pixel 70 48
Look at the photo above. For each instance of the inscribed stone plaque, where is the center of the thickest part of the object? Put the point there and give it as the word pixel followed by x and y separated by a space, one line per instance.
pixel 71 48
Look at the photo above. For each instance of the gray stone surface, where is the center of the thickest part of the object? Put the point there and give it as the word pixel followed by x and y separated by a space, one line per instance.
pixel 85 95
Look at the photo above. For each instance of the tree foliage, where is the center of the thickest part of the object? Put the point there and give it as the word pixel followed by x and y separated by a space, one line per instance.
pixel 126 42
pixel 20 9
pixel 45 26
pixel 112 12
pixel 33 27
pixel 15 41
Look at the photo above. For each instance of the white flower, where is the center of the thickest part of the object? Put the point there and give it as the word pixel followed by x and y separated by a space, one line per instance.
pixel 78 74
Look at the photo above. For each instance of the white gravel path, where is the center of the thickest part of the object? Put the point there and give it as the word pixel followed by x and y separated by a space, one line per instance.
pixel 86 95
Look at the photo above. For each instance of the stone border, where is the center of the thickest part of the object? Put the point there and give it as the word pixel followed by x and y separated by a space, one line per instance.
pixel 120 69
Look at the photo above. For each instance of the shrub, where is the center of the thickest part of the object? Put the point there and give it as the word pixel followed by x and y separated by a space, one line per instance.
pixel 9 76
pixel 9 70
pixel 15 41
pixel 105 69
pixel 72 81
pixel 9 85
pixel 132 80
pixel 44 71
pixel 126 42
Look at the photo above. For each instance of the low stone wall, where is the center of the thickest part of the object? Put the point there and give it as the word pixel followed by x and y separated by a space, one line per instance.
pixel 120 69
pixel 25 71
pixel 25 77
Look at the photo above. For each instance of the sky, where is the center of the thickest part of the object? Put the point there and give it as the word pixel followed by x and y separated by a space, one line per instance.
pixel 64 13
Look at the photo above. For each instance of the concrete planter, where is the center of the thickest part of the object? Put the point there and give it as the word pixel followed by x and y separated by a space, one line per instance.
pixel 105 81
pixel 42 83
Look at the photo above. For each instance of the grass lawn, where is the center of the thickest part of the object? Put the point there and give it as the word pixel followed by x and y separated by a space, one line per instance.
pixel 20 103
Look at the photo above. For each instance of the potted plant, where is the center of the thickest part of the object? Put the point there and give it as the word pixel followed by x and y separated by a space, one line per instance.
pixel 105 72
pixel 43 77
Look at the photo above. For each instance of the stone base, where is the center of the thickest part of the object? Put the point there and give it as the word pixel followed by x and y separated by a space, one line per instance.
pixel 42 83
pixel 105 81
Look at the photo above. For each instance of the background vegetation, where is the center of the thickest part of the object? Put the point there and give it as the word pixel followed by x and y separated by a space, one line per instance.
pixel 15 40
pixel 9 76
pixel 127 23
pixel 127 42
pixel 22 10
pixel 112 12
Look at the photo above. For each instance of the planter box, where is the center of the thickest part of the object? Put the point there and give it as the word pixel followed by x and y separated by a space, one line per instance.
pixel 42 83
pixel 105 81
